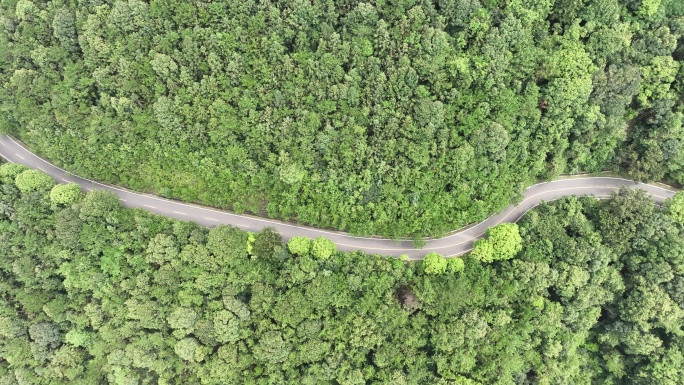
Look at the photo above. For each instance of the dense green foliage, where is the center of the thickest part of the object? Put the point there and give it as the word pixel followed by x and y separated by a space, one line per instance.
pixel 33 180
pixel 675 207
pixel 503 242
pixel 9 171
pixel 434 263
pixel 65 194
pixel 92 293
pixel 397 118
pixel 323 248
pixel 299 245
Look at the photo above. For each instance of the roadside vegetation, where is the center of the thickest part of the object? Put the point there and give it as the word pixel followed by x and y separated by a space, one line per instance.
pixel 401 118
pixel 581 292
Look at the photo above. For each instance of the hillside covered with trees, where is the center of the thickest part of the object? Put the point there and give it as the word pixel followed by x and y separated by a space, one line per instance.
pixel 93 293
pixel 408 117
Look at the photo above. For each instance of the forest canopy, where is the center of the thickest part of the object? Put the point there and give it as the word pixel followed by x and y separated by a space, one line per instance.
pixel 93 293
pixel 408 117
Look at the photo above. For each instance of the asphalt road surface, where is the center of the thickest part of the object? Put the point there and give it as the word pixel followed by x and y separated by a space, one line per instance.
pixel 453 245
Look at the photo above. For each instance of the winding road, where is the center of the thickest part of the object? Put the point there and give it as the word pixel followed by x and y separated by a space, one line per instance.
pixel 453 245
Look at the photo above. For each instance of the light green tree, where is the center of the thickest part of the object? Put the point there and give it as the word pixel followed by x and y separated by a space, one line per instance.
pixel 506 240
pixel 227 242
pixel 226 326
pixel 483 251
pixel 182 318
pixel 64 29
pixel 299 245
pixel 11 327
pixel 164 65
pixel 250 242
pixel 34 180
pixel 65 194
pixel 272 348
pixel 455 265
pixel 161 249
pixel 503 242
pixel 323 248
pixel 675 208
pixel 648 8
pixel 25 10
pixel 9 171
pixel 434 263
pixel 98 204
pixel 189 349
pixel 658 77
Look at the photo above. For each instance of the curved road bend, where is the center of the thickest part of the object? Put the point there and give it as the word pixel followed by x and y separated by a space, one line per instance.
pixel 452 245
